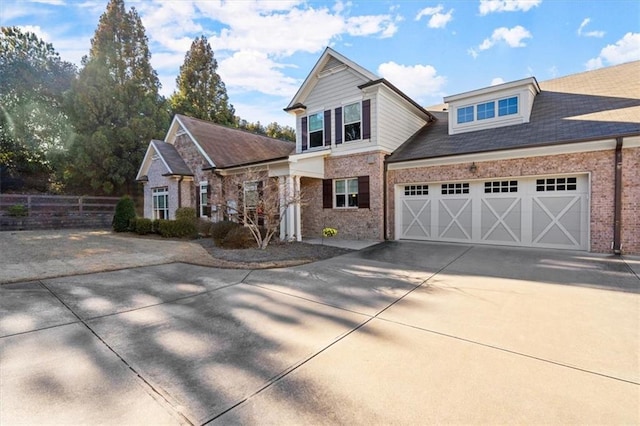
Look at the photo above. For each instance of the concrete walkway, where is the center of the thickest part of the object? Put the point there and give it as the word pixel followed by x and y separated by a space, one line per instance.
pixel 397 333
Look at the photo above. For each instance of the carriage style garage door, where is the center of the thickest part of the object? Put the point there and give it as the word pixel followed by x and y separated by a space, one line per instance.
pixel 549 211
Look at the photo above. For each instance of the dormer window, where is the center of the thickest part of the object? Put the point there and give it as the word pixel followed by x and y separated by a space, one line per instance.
pixel 465 114
pixel 508 106
pixel 486 110
pixel 352 122
pixel 316 129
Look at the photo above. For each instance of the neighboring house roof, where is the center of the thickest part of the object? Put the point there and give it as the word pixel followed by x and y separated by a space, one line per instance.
pixel 229 147
pixel 599 104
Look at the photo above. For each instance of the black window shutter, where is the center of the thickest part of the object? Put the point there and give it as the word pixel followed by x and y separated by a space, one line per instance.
pixel 366 119
pixel 303 124
pixel 327 194
pixel 338 115
pixel 363 192
pixel 327 128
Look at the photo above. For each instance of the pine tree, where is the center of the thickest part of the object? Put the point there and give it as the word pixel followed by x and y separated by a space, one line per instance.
pixel 200 92
pixel 116 105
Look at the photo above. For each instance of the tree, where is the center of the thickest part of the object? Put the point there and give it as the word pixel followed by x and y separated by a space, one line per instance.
pixel 34 129
pixel 259 203
pixel 115 104
pixel 200 92
pixel 287 133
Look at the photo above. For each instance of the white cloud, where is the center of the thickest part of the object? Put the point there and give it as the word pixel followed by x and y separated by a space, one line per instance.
pixel 473 52
pixel 513 37
pixel 624 50
pixel 37 30
pixel 437 18
pixel 496 81
pixel 491 6
pixel 584 23
pixel 255 71
pixel 419 82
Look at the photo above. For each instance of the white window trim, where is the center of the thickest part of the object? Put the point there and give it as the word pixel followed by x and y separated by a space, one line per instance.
pixel 161 191
pixel 203 190
pixel 309 147
pixel 344 123
pixel 346 194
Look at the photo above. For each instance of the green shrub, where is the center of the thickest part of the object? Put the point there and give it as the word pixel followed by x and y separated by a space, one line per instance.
pixel 219 230
pixel 125 211
pixel 204 227
pixel 17 210
pixel 143 226
pixel 155 225
pixel 177 228
pixel 186 213
pixel 239 237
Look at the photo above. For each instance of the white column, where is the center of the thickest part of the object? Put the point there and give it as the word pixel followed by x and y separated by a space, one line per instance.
pixel 291 209
pixel 298 210
pixel 282 188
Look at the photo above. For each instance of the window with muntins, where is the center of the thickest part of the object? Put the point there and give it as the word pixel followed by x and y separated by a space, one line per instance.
pixel 416 190
pixel 556 184
pixel 501 186
pixel 346 193
pixel 316 130
pixel 455 188
pixel 352 122
pixel 508 106
pixel 204 189
pixel 160 202
pixel 486 110
pixel 465 114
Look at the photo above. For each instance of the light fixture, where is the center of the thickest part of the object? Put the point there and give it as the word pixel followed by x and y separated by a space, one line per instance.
pixel 473 168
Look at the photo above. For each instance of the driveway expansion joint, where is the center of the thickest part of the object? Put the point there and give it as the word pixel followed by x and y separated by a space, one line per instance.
pixel 154 392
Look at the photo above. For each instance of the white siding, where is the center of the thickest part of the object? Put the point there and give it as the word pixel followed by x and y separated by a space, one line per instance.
pixel 395 123
pixel 332 90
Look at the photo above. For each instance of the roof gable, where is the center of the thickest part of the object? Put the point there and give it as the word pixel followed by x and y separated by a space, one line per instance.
pixel 329 62
pixel 167 153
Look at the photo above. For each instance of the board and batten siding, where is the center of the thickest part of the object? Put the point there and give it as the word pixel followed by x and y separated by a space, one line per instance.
pixel 395 123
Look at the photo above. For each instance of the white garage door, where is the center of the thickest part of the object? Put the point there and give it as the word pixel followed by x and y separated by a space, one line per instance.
pixel 550 211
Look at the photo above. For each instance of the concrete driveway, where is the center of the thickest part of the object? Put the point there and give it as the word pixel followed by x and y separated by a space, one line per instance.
pixel 398 333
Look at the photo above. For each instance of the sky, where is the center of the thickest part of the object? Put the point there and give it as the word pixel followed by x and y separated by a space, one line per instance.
pixel 428 49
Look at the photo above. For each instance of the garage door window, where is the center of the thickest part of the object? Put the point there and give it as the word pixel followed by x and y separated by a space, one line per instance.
pixel 556 184
pixel 501 186
pixel 455 188
pixel 416 190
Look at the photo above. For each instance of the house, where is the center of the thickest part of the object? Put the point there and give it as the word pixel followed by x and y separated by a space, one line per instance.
pixel 536 164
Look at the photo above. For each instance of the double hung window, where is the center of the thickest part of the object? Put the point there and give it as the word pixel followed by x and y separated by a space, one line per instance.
pixel 316 130
pixel 346 193
pixel 160 202
pixel 352 122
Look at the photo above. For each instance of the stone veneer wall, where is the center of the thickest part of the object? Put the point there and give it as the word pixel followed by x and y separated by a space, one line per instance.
pixel 156 170
pixel 599 163
pixel 196 161
pixel 350 223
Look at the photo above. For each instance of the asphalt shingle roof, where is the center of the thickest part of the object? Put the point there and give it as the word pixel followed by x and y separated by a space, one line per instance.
pixel 228 147
pixel 592 105
pixel 172 159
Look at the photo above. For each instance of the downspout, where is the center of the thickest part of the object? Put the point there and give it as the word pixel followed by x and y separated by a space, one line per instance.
pixel 384 199
pixel 617 202
pixel 180 191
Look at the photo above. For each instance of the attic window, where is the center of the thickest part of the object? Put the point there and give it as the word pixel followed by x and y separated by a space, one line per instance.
pixel 508 106
pixel 465 114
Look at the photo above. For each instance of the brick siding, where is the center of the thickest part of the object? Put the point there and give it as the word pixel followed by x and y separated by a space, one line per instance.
pixel 350 223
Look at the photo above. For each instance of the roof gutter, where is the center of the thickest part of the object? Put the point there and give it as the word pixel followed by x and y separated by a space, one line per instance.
pixel 617 202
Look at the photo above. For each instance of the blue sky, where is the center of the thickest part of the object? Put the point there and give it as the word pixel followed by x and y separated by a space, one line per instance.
pixel 429 49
